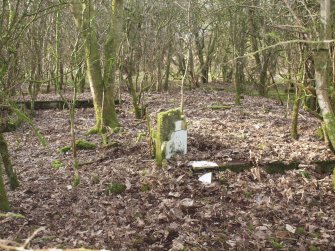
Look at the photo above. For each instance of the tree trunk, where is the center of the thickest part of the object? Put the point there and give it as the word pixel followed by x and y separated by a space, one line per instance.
pixel 239 41
pixel 238 79
pixel 168 67
pixel 13 181
pixel 4 203
pixel 101 86
pixel 159 62
pixel 323 69
pixel 295 115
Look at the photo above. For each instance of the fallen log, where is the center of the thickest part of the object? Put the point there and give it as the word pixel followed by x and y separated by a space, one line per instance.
pixel 242 165
pixel 3 246
pixel 55 104
pixel 14 246
pixel 52 104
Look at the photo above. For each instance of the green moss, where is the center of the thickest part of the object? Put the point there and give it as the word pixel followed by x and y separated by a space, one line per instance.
pixel 65 149
pixel 305 174
pixel 333 179
pixel 250 227
pixel 56 164
pixel 319 133
pixel 329 122
pixel 116 188
pixel 82 144
pixel 300 230
pixel 165 125
pixel 313 248
pixel 248 194
pixel 145 188
pixel 94 130
pixel 277 245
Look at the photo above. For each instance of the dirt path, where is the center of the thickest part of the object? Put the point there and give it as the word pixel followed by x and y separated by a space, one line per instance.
pixel 169 208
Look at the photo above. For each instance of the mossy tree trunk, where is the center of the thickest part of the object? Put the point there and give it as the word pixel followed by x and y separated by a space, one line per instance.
pixel 205 54
pixel 295 115
pixel 168 66
pixel 323 69
pixel 238 32
pixel 132 89
pixel 112 45
pixel 4 203
pixel 257 38
pixel 159 63
pixel 299 86
pixel 59 64
pixel 101 84
pixel 13 180
pixel 83 14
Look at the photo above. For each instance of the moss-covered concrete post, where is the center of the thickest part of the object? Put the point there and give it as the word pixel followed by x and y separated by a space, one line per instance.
pixel 171 135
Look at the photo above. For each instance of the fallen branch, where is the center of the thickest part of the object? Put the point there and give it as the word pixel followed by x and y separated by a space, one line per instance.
pixel 14 246
pixel 20 248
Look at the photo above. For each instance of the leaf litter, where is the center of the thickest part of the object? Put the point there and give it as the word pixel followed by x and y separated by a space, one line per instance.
pixel 169 209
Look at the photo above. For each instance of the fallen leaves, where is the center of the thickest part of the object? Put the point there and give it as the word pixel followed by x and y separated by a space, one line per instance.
pixel 238 211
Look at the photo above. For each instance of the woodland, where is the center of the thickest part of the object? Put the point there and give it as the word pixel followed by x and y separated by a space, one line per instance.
pixel 83 84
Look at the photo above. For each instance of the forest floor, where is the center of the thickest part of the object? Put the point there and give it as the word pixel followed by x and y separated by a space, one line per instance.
pixel 168 208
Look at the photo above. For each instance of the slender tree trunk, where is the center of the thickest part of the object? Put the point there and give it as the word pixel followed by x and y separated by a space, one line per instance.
pixel 159 71
pixel 190 67
pixel 238 79
pixel 59 65
pixel 295 115
pixel 200 45
pixel 168 67
pixel 4 203
pixel 13 180
pixel 239 41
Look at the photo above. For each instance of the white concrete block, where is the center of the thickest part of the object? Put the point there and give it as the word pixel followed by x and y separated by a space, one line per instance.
pixel 178 125
pixel 176 144
pixel 206 178
pixel 200 164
